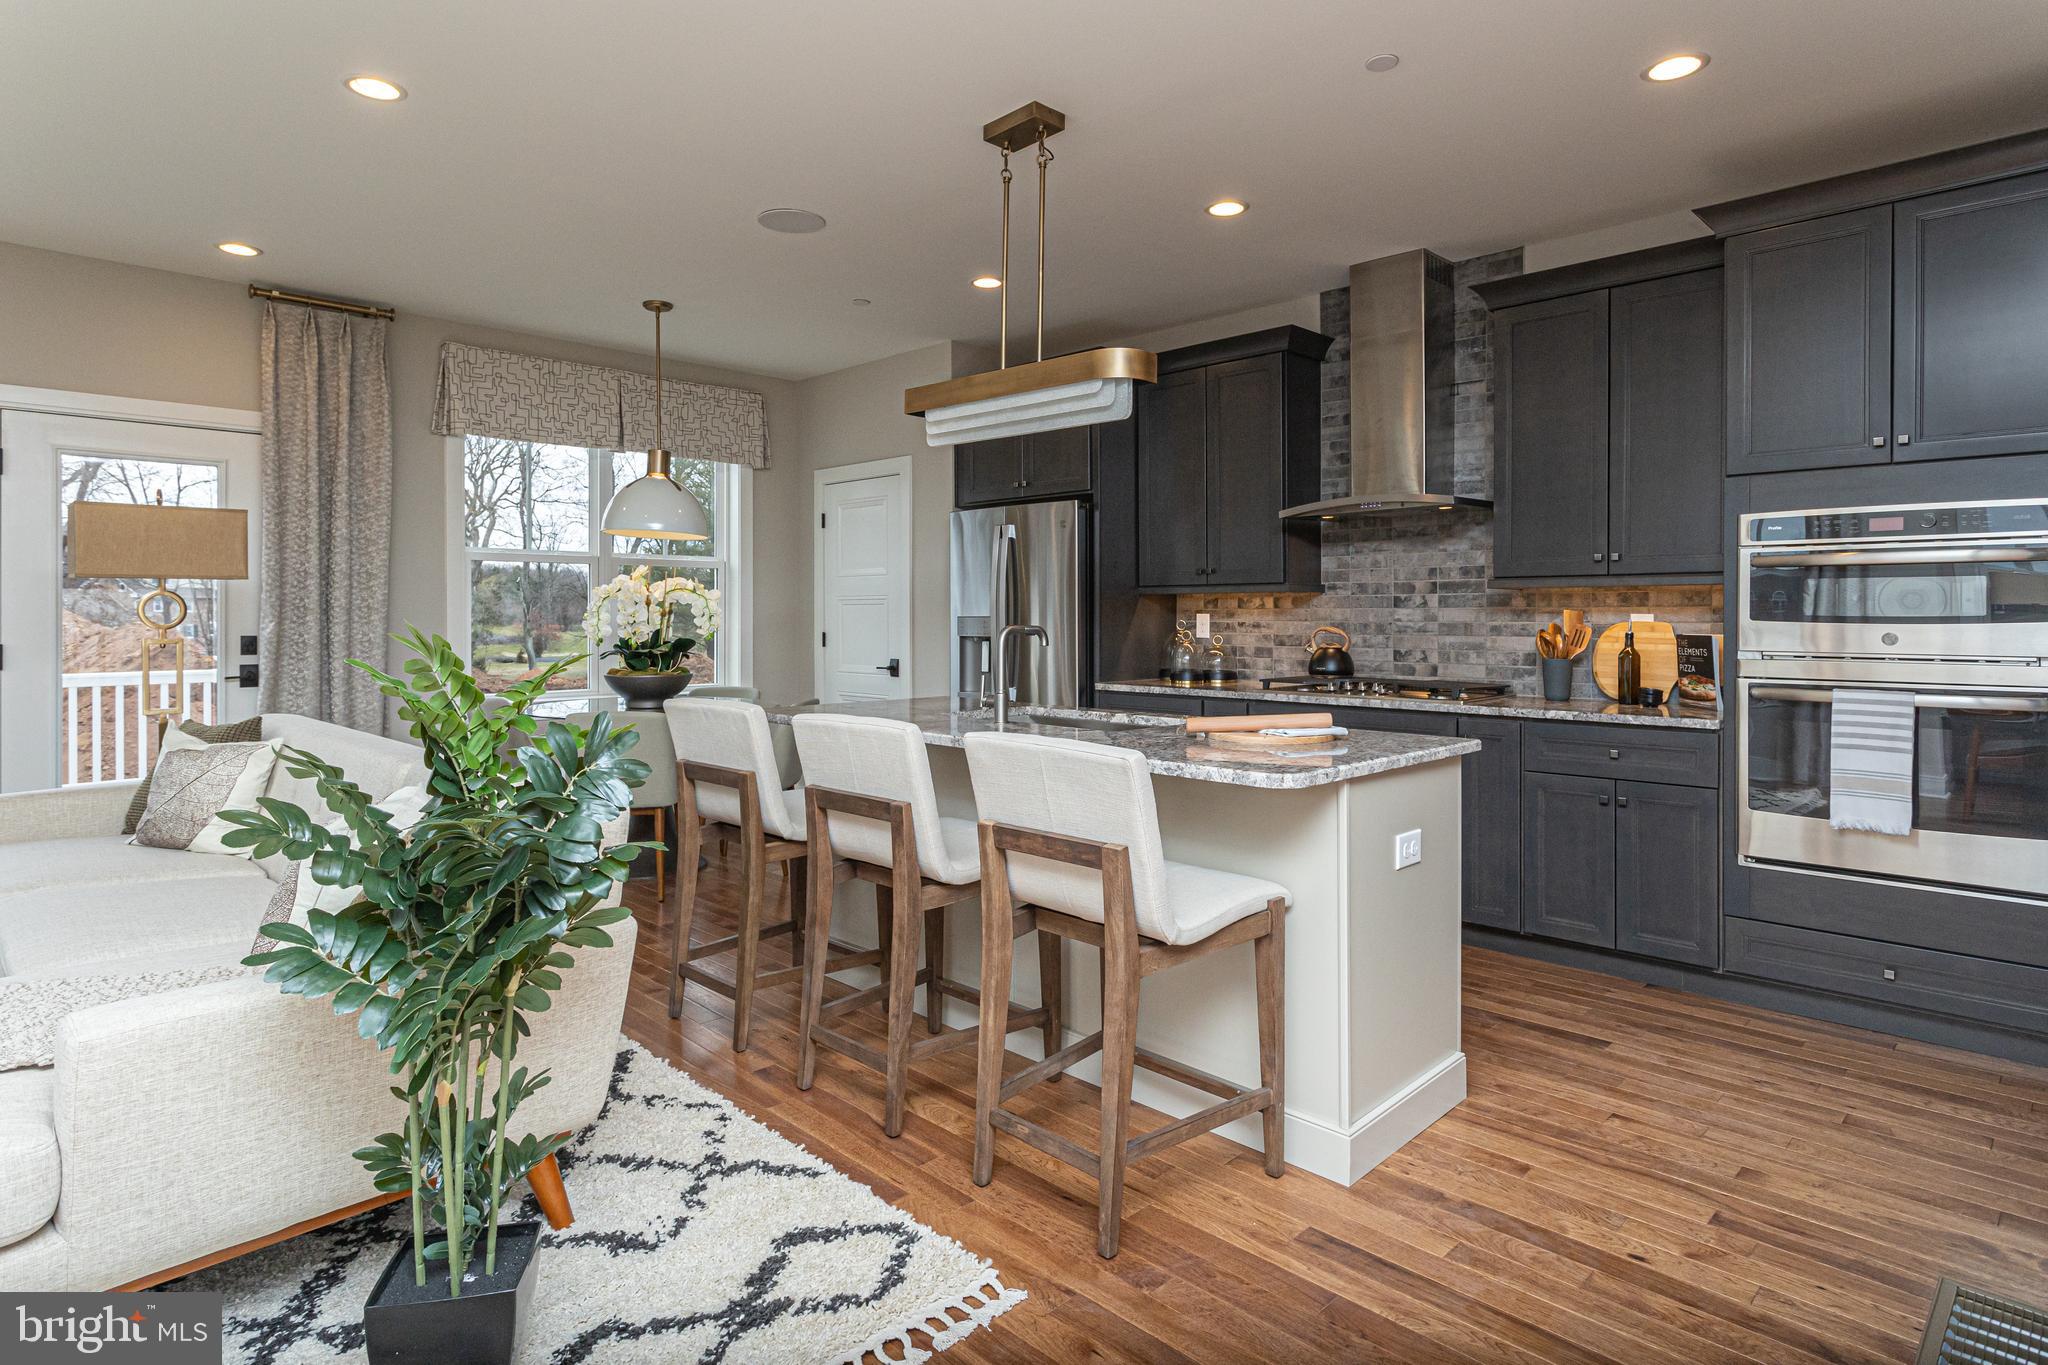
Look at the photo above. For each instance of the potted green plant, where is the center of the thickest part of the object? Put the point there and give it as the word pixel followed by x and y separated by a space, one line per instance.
pixel 462 928
pixel 657 624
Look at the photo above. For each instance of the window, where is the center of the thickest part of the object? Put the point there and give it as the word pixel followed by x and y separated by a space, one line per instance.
pixel 532 553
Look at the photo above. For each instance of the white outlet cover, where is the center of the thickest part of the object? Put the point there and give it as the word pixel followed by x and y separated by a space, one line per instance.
pixel 1642 616
pixel 1201 625
pixel 1407 849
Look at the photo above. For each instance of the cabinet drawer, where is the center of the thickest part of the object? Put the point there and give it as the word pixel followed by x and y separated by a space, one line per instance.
pixel 1633 753
pixel 1387 718
pixel 1918 978
pixel 1158 703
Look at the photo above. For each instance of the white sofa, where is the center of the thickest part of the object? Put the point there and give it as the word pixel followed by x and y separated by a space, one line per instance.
pixel 176 1126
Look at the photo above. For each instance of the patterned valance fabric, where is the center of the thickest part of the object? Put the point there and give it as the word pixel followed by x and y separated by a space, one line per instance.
pixel 516 397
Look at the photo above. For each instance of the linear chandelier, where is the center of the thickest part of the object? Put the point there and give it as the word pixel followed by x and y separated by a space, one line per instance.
pixel 1074 390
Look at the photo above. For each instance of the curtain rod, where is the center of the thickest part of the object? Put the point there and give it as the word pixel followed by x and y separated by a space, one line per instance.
pixel 366 310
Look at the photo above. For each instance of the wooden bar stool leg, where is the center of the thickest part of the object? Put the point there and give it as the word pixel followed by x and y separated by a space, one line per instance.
pixel 935 961
pixel 682 909
pixel 901 967
pixel 661 852
pixel 1269 956
pixel 1119 1044
pixel 998 942
pixel 818 910
pixel 749 947
pixel 1050 992
pixel 796 873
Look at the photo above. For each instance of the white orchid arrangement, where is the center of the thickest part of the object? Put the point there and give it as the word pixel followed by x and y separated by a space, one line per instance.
pixel 656 622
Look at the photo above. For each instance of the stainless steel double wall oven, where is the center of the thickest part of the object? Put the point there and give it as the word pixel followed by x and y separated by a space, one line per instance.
pixel 1946 601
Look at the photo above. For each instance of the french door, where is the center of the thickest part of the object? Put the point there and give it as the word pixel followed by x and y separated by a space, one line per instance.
pixel 71 649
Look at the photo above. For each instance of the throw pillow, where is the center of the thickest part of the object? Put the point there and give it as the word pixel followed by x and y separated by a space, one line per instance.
pixel 234 732
pixel 193 783
pixel 31 1008
pixel 297 893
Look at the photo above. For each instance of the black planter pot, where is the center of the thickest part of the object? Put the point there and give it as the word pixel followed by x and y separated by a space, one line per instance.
pixel 647 691
pixel 411 1324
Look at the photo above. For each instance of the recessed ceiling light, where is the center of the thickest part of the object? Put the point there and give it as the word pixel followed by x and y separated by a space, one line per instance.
pixel 1676 67
pixel 790 220
pixel 1386 61
pixel 375 88
pixel 241 249
pixel 1226 208
pixel 987 282
pixel 862 303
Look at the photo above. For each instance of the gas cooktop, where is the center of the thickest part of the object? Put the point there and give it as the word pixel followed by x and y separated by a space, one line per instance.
pixel 1424 689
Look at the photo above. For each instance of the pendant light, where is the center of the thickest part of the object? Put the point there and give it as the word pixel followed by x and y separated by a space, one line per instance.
pixel 1045 395
pixel 654 506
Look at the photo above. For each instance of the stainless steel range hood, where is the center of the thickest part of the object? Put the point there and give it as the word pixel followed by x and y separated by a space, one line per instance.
pixel 1403 414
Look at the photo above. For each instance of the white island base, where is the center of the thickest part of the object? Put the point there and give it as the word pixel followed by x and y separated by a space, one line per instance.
pixel 1373 1053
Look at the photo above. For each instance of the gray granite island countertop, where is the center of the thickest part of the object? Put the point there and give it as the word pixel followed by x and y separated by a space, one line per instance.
pixel 1596 709
pixel 1168 748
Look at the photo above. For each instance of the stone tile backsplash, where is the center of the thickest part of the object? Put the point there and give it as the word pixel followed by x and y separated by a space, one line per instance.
pixel 1412 588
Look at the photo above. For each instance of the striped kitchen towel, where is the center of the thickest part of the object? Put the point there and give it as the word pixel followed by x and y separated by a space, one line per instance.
pixel 1870 775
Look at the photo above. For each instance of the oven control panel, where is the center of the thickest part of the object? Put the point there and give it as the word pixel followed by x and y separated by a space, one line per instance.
pixel 1942 520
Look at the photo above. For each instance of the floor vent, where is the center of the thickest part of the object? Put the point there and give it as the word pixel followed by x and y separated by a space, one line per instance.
pixel 1971 1327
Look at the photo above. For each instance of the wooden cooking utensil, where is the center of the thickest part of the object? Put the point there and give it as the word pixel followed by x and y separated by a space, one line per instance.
pixel 1247 740
pixel 1576 639
pixel 1302 720
pixel 1656 643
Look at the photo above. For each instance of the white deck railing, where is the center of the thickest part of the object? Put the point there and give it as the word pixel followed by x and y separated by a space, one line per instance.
pixel 110 740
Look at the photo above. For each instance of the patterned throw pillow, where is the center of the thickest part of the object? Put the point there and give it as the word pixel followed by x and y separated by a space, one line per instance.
pixel 234 732
pixel 193 784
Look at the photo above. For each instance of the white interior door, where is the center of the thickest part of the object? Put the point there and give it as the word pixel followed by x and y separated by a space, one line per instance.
pixel 70 675
pixel 863 582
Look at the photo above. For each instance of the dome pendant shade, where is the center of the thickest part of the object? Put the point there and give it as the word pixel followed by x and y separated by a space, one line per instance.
pixel 654 506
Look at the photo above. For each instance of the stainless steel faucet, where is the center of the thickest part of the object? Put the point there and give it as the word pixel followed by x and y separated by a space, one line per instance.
pixel 1003 666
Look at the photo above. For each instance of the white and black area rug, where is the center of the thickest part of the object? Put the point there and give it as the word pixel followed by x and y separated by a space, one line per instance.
pixel 700 1235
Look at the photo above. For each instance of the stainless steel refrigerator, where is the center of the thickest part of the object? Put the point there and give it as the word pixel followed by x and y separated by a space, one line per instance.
pixel 1026 564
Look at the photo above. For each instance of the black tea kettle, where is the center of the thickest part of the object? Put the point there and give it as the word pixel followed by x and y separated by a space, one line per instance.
pixel 1329 661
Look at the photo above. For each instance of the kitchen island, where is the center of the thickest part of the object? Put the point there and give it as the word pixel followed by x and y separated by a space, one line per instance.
pixel 1373 1048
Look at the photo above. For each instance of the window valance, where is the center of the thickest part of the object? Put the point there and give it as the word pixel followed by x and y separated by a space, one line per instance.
pixel 516 397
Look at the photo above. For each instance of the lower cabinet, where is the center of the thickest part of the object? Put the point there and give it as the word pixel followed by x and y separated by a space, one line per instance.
pixel 1568 866
pixel 1634 866
pixel 1492 824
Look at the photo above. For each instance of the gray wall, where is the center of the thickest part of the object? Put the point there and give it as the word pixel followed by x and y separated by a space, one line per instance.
pixel 1412 588
pixel 91 326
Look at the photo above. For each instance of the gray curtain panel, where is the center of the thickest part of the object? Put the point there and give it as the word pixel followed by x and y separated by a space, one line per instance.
pixel 514 397
pixel 326 512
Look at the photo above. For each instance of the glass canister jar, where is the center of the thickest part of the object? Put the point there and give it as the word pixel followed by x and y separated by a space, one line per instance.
pixel 1183 665
pixel 1215 661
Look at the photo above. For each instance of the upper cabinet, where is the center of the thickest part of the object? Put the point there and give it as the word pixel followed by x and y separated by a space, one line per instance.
pixel 1226 438
pixel 1045 464
pixel 1909 330
pixel 1607 419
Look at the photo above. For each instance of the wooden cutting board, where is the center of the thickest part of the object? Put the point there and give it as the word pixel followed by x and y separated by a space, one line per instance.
pixel 1656 642
pixel 1252 740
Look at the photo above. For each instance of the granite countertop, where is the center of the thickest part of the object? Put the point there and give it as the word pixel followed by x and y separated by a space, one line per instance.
pixel 1520 708
pixel 1168 748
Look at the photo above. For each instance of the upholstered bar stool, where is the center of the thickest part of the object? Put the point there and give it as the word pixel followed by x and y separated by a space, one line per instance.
pixel 1070 837
pixel 727 782
pixel 872 815
pixel 658 793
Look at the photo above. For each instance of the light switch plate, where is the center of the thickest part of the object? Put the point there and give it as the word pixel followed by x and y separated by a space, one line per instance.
pixel 1407 849
pixel 1201 625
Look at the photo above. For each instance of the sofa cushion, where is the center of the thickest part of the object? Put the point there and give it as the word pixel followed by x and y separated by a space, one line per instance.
pixel 29 1167
pixel 376 764
pixel 108 858
pixel 75 927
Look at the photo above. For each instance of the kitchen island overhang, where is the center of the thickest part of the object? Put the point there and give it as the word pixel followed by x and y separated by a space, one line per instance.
pixel 1373 1051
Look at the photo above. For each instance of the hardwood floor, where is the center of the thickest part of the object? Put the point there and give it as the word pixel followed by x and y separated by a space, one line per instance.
pixel 1639 1175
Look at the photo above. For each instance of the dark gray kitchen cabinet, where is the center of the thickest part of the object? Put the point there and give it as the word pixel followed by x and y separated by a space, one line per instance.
pixel 1568 867
pixel 1173 480
pixel 1667 871
pixel 1809 344
pixel 1665 402
pixel 1044 464
pixel 1550 420
pixel 1970 310
pixel 1227 437
pixel 1492 823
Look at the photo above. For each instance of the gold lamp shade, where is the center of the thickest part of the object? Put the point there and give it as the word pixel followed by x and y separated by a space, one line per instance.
pixel 142 540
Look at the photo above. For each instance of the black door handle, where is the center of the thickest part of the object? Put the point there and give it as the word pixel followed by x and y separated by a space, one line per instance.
pixel 894 668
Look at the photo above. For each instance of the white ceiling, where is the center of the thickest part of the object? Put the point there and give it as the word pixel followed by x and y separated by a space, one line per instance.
pixel 556 163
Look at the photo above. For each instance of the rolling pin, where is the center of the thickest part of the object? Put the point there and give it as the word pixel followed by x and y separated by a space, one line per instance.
pixel 1305 720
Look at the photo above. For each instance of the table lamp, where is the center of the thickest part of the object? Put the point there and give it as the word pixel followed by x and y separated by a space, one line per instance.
pixel 150 540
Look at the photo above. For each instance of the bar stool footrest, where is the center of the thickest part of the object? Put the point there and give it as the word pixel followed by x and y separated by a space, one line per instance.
pixel 1047 1141
pixel 1057 1062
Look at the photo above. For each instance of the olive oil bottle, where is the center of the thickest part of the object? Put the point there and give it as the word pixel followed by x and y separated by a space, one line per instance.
pixel 1628 670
